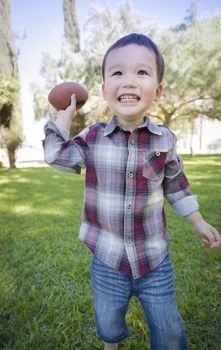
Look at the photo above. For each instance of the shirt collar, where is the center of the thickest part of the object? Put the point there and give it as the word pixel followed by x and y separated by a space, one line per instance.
pixel 149 124
pixel 111 126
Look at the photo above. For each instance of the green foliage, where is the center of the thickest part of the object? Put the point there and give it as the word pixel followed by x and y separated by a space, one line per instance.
pixel 11 133
pixel 9 89
pixel 13 137
pixel 71 27
pixel 45 295
pixel 9 95
pixel 192 81
pixel 192 52
pixel 105 25
pixel 11 130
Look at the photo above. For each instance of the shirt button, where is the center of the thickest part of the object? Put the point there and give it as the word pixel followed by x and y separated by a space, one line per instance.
pixel 129 240
pixel 157 153
pixel 129 207
pixel 131 175
pixel 132 142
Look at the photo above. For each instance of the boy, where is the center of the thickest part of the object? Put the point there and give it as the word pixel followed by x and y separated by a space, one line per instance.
pixel 131 164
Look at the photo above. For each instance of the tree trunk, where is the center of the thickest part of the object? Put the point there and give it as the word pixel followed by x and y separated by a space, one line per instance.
pixel 191 137
pixel 10 118
pixel 167 121
pixel 71 26
pixel 201 132
pixel 12 156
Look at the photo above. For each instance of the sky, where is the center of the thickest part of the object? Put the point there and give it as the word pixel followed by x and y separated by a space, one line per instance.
pixel 38 26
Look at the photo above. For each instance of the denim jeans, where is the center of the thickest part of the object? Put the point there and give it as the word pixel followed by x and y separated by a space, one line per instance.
pixel 112 291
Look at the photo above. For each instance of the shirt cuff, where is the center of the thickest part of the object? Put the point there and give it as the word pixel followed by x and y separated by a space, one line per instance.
pixel 186 205
pixel 64 132
pixel 65 169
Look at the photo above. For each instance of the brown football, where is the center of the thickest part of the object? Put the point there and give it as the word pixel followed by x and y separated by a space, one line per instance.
pixel 60 95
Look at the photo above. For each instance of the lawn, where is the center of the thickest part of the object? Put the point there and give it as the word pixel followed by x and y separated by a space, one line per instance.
pixel 45 294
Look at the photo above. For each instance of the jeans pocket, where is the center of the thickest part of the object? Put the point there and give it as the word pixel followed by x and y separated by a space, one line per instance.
pixel 166 265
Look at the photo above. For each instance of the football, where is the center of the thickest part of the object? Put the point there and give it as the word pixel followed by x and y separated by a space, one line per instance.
pixel 60 96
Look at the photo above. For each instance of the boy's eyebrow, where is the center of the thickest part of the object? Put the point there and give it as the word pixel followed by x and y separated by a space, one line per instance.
pixel 140 64
pixel 115 66
pixel 145 65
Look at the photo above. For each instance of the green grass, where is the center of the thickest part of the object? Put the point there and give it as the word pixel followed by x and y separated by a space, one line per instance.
pixel 45 293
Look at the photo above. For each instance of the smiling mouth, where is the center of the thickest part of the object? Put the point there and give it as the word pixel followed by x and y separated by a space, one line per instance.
pixel 128 98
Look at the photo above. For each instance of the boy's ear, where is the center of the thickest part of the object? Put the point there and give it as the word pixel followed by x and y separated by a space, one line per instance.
pixel 104 91
pixel 159 91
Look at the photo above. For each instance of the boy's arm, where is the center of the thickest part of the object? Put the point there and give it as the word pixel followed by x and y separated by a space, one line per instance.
pixel 177 192
pixel 64 118
pixel 210 236
pixel 60 152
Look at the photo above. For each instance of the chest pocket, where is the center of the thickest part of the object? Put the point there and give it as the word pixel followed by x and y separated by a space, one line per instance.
pixel 154 165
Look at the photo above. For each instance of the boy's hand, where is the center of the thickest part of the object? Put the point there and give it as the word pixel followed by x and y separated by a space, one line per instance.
pixel 210 236
pixel 65 117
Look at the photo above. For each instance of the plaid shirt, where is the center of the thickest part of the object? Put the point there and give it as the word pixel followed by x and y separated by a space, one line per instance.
pixel 127 177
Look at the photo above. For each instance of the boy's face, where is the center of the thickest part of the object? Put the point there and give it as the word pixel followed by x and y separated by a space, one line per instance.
pixel 131 84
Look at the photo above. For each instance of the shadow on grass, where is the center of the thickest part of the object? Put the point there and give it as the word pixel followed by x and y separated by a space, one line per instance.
pixel 45 288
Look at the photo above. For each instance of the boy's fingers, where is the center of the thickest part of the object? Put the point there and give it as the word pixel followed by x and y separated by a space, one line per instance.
pixel 214 239
pixel 206 242
pixel 211 244
pixel 73 100
pixel 212 235
pixel 216 235
pixel 71 109
pixel 215 244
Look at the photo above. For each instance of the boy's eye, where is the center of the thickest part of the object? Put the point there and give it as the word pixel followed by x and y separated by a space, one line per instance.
pixel 142 72
pixel 117 73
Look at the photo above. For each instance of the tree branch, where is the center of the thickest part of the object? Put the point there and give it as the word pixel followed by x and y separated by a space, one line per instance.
pixel 194 99
pixel 157 117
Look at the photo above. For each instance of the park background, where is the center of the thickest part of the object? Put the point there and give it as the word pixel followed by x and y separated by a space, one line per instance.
pixel 45 295
pixel 40 37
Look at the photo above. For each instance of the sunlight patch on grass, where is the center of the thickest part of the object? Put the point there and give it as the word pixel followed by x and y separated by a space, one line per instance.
pixel 201 162
pixel 4 181
pixel 27 210
pixel 23 209
pixel 45 294
pixel 201 177
pixel 52 211
pixel 22 180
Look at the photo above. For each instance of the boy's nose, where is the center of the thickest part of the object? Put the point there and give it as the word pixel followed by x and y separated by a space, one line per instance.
pixel 129 83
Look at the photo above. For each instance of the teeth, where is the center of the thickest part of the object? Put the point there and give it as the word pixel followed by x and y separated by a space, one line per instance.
pixel 128 97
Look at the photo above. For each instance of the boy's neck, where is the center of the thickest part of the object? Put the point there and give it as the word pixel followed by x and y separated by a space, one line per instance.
pixel 130 125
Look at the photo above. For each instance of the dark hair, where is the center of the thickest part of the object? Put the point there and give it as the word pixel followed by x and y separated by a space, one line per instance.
pixel 142 40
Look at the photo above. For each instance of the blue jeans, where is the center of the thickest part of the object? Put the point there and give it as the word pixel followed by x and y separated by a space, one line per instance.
pixel 112 291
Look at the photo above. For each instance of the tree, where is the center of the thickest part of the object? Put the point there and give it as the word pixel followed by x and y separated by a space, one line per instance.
pixel 191 87
pixel 71 27
pixel 104 26
pixel 10 107
pixel 192 82
pixel 71 66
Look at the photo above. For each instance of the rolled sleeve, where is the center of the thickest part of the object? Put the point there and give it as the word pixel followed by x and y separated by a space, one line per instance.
pixel 64 132
pixel 186 205
pixel 174 177
pixel 176 186
pixel 61 153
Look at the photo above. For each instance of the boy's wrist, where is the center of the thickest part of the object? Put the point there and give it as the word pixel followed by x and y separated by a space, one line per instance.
pixel 195 218
pixel 65 117
pixel 62 124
